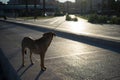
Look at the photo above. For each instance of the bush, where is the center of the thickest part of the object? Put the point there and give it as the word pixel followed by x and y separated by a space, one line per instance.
pixel 93 18
pixel 58 13
pixel 75 19
pixel 102 19
pixel 115 20
pixel 68 18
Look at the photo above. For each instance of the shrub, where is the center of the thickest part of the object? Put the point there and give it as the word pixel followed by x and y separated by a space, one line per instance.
pixel 75 19
pixel 93 18
pixel 68 18
pixel 102 19
pixel 57 13
pixel 115 20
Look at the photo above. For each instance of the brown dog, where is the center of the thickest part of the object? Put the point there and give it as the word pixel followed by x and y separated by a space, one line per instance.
pixel 38 46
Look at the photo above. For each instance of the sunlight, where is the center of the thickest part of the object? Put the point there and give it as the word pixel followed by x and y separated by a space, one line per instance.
pixel 77 27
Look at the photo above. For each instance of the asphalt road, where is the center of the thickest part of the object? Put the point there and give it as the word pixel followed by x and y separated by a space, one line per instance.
pixel 65 59
pixel 82 26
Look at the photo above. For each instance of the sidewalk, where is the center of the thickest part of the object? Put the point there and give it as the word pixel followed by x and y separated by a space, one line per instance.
pixel 87 62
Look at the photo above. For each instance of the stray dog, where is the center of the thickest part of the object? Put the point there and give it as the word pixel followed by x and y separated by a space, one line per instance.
pixel 38 46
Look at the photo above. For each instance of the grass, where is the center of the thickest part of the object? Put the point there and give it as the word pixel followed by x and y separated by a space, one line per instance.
pixel 38 17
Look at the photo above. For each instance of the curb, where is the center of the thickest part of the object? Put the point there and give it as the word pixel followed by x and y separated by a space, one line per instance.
pixel 112 44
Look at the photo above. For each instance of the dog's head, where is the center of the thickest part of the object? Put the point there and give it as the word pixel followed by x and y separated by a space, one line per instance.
pixel 49 34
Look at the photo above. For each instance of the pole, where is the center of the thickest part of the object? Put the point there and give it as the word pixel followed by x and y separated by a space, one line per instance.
pixel 44 9
pixel 26 5
pixel 35 8
pixel 67 7
pixel 91 6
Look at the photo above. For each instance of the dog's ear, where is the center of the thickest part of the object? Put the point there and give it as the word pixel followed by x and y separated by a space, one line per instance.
pixel 54 34
pixel 49 33
pixel 45 34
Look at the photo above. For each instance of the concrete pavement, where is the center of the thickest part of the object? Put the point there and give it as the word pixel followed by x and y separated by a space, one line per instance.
pixel 57 25
pixel 80 27
pixel 7 71
pixel 89 62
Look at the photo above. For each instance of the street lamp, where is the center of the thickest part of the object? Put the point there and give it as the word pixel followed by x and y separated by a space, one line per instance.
pixel 67 7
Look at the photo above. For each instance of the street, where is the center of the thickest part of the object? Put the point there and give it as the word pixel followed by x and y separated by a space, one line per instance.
pixel 79 27
pixel 65 59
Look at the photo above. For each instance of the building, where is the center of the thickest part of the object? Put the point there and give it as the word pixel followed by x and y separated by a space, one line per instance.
pixel 31 2
pixel 30 7
pixel 66 7
pixel 89 6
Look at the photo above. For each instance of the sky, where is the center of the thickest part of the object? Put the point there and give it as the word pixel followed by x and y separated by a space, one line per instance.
pixel 67 0
pixel 5 1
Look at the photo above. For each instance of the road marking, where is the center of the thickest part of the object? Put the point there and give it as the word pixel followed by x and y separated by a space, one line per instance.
pixel 56 57
pixel 54 21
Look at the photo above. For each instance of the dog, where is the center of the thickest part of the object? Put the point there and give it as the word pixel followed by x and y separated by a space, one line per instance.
pixel 38 46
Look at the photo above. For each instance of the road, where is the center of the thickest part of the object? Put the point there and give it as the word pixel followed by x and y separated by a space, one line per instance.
pixel 65 59
pixel 82 26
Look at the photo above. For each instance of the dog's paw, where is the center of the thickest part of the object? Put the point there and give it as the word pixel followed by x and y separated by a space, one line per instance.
pixel 32 63
pixel 23 65
pixel 43 68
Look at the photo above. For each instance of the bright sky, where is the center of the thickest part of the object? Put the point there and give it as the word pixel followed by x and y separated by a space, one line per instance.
pixel 5 1
pixel 67 0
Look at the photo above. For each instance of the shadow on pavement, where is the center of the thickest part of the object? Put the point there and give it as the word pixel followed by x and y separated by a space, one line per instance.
pixel 37 77
pixel 3 28
pixel 98 42
pixel 39 74
pixel 7 68
pixel 24 70
pixel 19 68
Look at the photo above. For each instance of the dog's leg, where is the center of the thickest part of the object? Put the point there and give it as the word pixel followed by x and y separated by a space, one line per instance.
pixel 23 57
pixel 43 68
pixel 31 57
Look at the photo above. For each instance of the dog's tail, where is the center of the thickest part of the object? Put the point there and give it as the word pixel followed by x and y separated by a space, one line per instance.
pixel 24 51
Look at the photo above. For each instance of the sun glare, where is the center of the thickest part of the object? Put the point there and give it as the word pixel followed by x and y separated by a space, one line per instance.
pixel 77 27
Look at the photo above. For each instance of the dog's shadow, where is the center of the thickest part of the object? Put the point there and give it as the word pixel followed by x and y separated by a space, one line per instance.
pixel 21 67
pixel 39 74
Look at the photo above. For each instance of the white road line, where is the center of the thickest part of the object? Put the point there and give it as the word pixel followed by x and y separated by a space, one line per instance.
pixel 56 57
pixel 54 21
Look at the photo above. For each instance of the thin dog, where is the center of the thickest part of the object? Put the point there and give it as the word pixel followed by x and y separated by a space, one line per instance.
pixel 38 46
